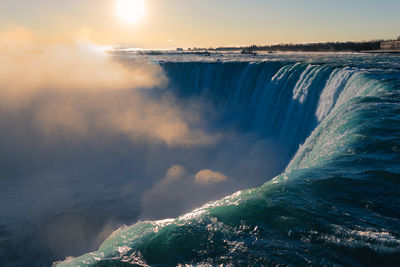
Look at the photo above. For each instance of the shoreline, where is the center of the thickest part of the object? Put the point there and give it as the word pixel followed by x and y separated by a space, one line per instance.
pixel 381 51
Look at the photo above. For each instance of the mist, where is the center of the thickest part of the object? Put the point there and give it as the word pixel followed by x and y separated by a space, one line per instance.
pixel 89 143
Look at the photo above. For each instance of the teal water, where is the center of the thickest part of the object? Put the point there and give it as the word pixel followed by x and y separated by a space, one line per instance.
pixel 336 203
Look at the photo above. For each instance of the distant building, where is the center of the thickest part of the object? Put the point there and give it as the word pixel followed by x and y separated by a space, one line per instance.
pixel 179 49
pixel 391 45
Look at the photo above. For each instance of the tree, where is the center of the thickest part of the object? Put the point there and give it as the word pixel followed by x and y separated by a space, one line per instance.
pixel 398 38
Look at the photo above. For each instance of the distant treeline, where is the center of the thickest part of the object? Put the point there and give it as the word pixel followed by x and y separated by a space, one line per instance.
pixel 313 47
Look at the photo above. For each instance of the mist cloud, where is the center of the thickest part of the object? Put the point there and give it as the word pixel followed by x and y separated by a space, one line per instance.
pixel 80 89
pixel 209 177
pixel 80 135
pixel 91 142
pixel 181 190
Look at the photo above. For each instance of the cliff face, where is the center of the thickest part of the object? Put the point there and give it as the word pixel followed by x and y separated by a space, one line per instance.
pixel 391 45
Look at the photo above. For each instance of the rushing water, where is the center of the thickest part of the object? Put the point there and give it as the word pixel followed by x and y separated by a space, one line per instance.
pixel 337 202
pixel 335 120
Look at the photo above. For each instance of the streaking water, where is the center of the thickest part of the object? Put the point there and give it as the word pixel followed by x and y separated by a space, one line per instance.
pixel 337 202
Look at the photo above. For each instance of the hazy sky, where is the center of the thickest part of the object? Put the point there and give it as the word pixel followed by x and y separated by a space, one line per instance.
pixel 171 23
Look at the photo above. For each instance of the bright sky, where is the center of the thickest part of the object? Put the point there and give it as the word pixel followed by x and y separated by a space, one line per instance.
pixel 204 23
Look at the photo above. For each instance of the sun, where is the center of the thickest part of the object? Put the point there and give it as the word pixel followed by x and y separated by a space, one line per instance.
pixel 130 11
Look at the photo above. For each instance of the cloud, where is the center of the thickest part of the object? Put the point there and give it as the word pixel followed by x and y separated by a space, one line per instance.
pixel 209 177
pixel 176 172
pixel 83 90
pixel 16 38
pixel 179 191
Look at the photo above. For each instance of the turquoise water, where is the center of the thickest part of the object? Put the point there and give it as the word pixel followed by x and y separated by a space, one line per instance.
pixel 336 203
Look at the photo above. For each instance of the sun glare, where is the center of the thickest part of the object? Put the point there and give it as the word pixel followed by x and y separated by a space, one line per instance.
pixel 130 11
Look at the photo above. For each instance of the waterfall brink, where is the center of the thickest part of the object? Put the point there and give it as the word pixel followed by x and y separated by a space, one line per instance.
pixel 286 101
pixel 335 204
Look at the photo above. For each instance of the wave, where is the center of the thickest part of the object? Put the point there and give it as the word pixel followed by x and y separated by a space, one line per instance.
pixel 335 204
